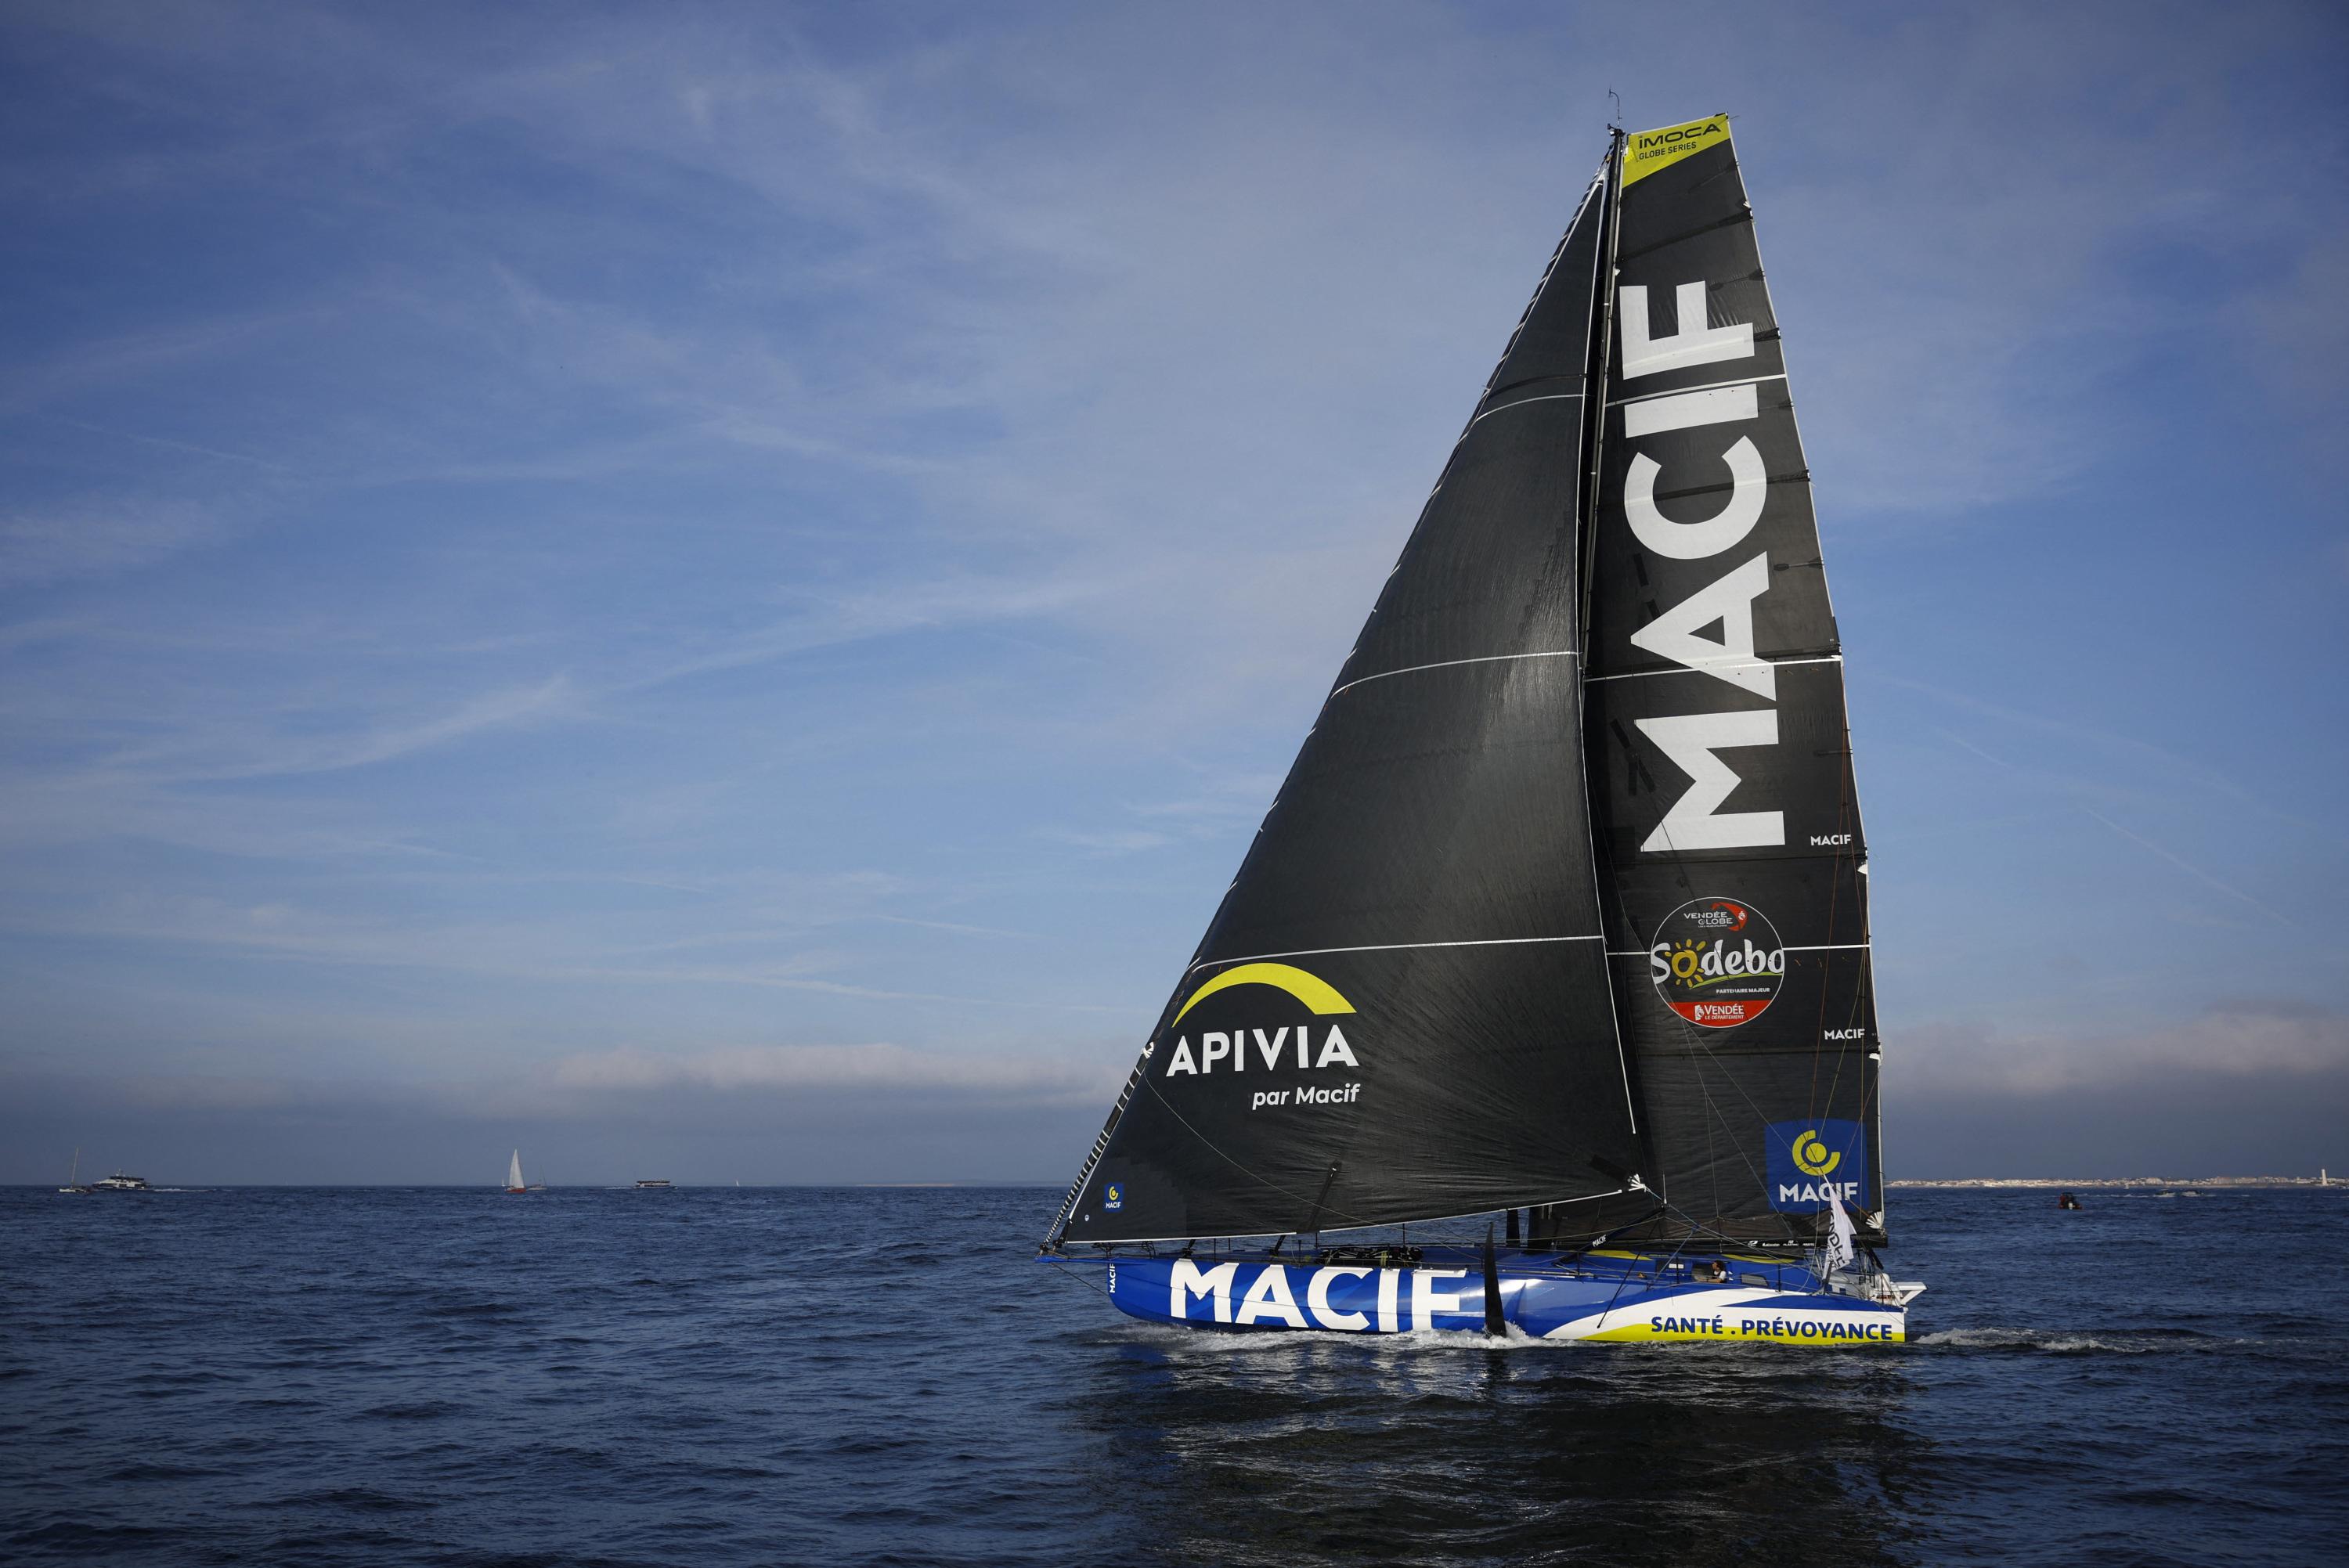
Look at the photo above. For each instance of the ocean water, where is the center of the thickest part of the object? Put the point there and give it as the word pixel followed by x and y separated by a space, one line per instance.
pixel 821 1376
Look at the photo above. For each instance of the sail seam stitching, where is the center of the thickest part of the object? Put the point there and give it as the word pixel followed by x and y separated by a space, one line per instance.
pixel 1709 386
pixel 1710 667
pixel 1821 947
pixel 1447 663
pixel 1394 947
pixel 1517 403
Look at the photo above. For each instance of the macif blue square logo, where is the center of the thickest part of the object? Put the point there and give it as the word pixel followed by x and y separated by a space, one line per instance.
pixel 1113 1197
pixel 1810 1159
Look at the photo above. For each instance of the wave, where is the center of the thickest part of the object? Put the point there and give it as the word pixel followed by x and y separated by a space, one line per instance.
pixel 2063 1341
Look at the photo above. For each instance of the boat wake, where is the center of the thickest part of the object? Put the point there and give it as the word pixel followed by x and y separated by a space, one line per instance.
pixel 2063 1342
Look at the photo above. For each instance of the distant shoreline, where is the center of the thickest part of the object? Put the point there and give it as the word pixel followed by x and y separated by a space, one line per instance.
pixel 2113 1181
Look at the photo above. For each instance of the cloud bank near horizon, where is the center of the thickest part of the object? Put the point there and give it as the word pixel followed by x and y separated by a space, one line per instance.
pixel 2247 1089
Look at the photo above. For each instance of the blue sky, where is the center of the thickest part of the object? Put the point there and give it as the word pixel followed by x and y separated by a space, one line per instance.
pixel 721 588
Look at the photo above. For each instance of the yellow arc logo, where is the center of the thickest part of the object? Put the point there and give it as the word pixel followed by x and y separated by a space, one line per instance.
pixel 1310 989
pixel 1812 1156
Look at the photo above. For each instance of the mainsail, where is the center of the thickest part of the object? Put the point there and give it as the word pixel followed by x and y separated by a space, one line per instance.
pixel 1402 1009
pixel 1563 902
pixel 514 1172
pixel 1719 756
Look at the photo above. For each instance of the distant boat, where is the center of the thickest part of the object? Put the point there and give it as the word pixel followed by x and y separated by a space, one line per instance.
pixel 119 1182
pixel 514 1173
pixel 2065 1201
pixel 73 1180
pixel 648 1184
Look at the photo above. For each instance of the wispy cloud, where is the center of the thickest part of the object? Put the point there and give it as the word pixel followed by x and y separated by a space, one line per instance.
pixel 646 535
pixel 89 536
pixel 2197 873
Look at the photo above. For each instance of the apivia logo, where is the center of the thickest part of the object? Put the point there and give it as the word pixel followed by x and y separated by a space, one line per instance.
pixel 1320 1041
pixel 1810 1162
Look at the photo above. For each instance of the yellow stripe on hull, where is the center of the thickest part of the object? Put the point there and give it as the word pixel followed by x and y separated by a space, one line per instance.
pixel 1741 1317
pixel 1884 1335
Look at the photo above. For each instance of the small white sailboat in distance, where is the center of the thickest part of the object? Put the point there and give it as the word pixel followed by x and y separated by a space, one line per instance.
pixel 73 1180
pixel 514 1173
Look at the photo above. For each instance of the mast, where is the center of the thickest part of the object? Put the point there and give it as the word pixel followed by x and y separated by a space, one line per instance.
pixel 1402 1009
pixel 1603 336
pixel 1594 1219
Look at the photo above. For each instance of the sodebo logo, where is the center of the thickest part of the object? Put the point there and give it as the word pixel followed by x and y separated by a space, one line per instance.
pixel 1717 962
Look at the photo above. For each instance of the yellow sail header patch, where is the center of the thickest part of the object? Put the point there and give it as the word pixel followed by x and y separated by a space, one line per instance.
pixel 1645 151
pixel 1310 989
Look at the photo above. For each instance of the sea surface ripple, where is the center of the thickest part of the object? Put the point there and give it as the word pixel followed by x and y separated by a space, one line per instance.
pixel 838 1376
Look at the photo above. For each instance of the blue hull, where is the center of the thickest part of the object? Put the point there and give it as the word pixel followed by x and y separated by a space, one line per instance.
pixel 1601 1297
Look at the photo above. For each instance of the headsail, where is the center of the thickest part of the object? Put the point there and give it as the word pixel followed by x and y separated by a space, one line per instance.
pixel 1728 835
pixel 1402 1010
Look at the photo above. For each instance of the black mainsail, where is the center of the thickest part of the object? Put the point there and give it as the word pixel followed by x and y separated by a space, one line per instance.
pixel 1563 902
pixel 1402 1009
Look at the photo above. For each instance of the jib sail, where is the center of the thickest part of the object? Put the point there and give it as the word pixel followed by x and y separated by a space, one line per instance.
pixel 1733 865
pixel 1402 1010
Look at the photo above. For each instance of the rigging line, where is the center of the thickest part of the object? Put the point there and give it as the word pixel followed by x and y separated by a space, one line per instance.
pixel 1714 669
pixel 1847 810
pixel 1708 386
pixel 1835 888
pixel 1713 1116
pixel 1391 947
pixel 1445 664
pixel 1693 1035
pixel 1219 1150
pixel 1597 362
pixel 1071 1274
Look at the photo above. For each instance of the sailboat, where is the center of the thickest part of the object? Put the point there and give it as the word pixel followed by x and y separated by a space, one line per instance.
pixel 1559 920
pixel 514 1173
pixel 73 1177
